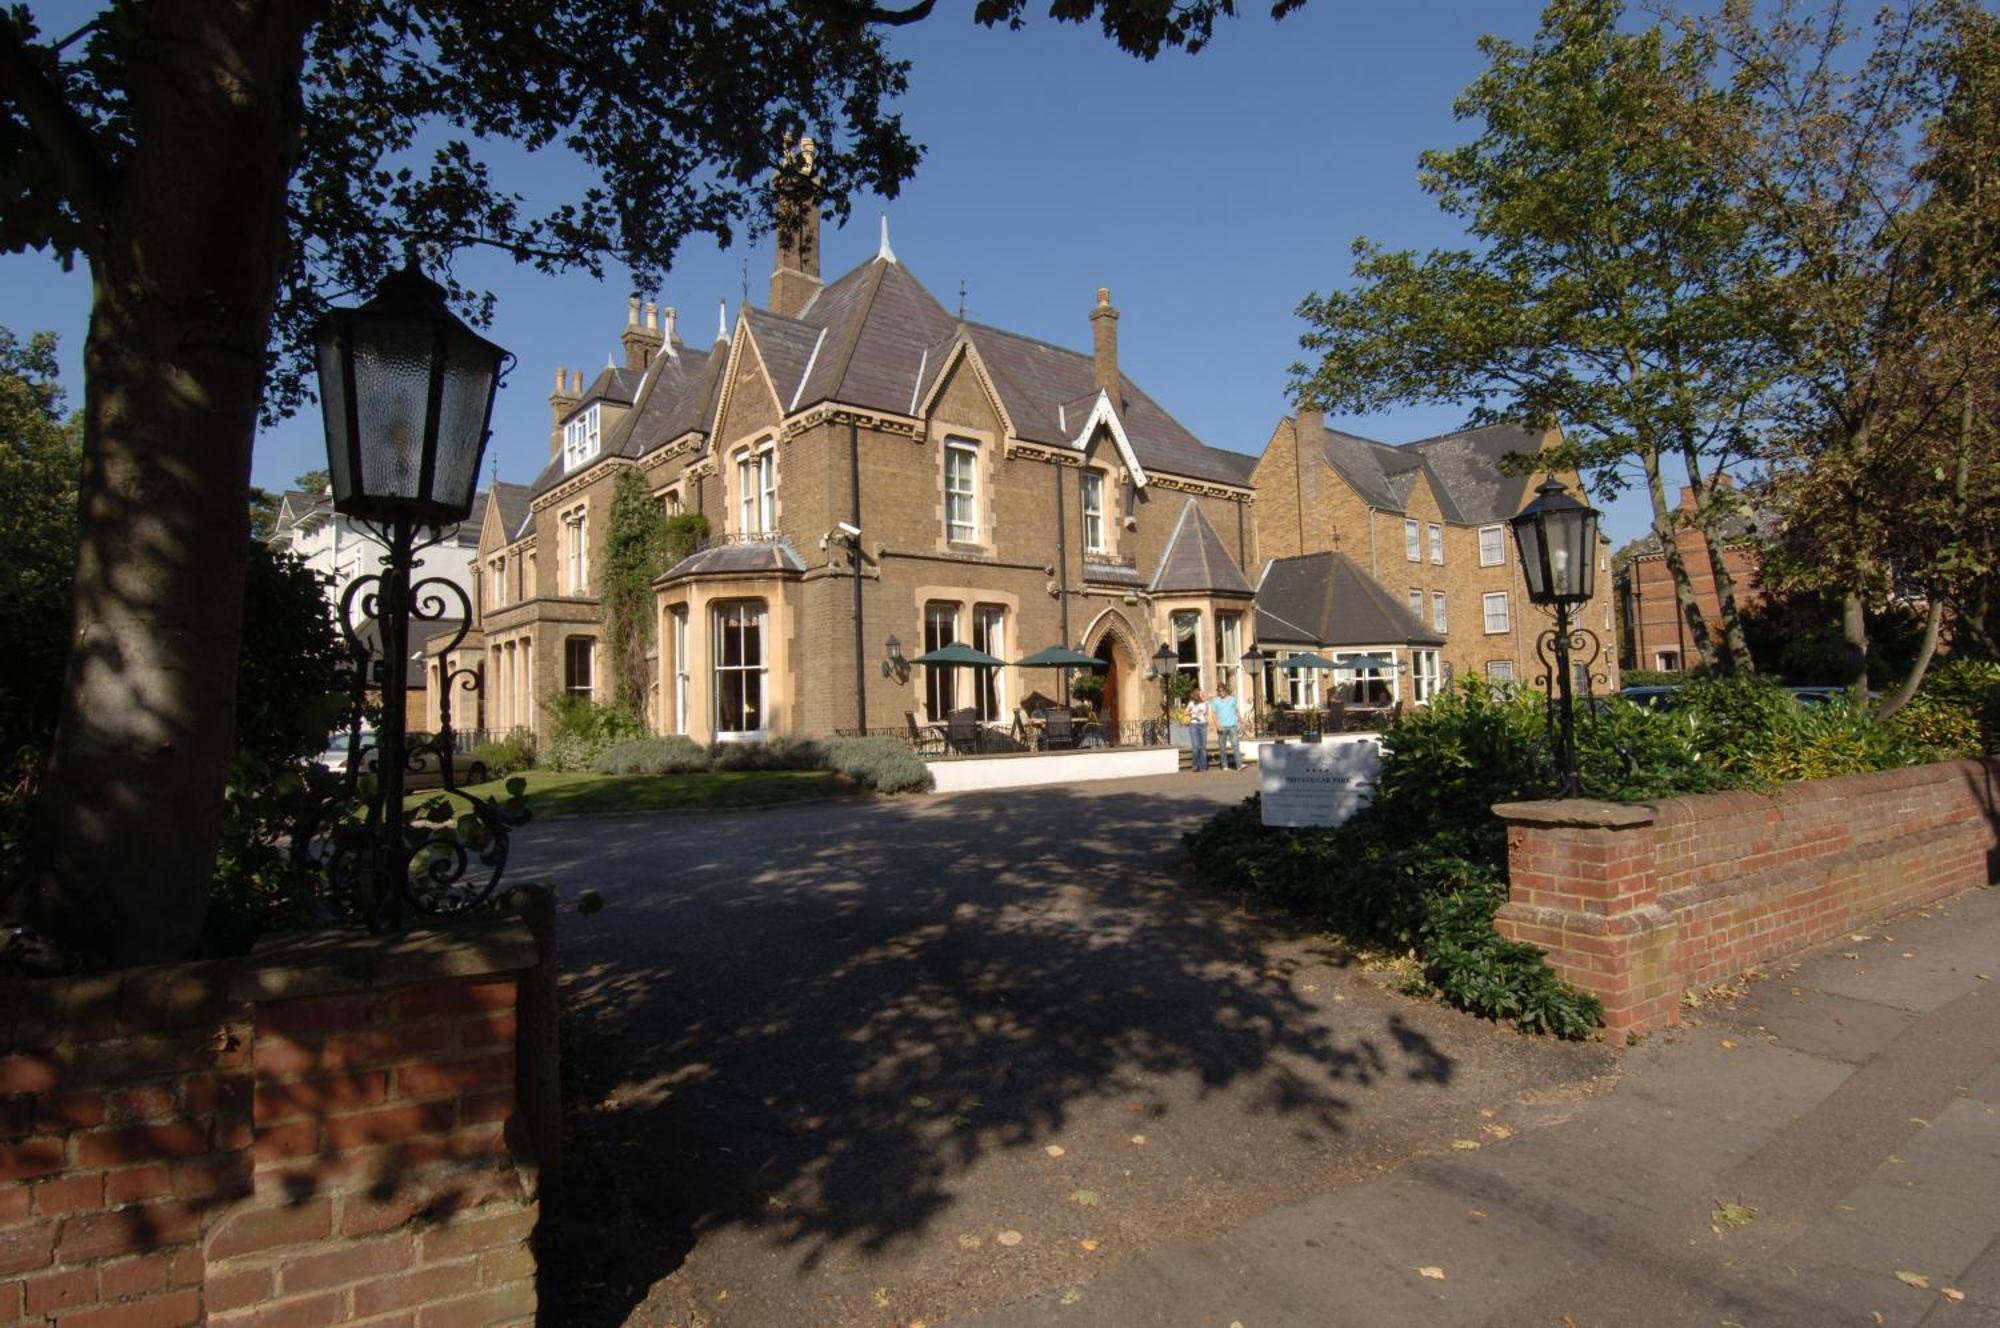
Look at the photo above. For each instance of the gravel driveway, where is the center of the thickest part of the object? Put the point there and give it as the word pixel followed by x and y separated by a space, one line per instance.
pixel 885 1061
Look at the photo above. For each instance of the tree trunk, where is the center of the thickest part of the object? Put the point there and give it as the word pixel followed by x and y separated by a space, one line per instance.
pixel 1854 645
pixel 1733 650
pixel 1664 529
pixel 1926 648
pixel 185 271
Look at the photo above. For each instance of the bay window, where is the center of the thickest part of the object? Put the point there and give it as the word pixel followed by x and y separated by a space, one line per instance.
pixel 739 667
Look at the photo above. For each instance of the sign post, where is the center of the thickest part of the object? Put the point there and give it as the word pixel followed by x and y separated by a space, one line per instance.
pixel 1320 783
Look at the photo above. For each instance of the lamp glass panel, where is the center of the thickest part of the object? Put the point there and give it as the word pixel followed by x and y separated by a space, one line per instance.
pixel 1529 534
pixel 333 410
pixel 392 380
pixel 469 372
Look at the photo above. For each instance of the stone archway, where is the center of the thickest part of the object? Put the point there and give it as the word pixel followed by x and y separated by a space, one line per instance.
pixel 1111 639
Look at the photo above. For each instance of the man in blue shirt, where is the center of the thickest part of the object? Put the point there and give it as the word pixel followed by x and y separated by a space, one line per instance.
pixel 1224 710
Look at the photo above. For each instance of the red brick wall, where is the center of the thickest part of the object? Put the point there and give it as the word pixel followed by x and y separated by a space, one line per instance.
pixel 1641 903
pixel 267 1142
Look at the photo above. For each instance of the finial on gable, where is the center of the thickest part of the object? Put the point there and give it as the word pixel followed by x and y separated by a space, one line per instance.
pixel 885 252
pixel 722 320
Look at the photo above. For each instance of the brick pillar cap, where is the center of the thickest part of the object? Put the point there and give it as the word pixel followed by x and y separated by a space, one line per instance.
pixel 319 963
pixel 1577 811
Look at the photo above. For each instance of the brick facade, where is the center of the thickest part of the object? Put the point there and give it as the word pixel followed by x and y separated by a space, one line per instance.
pixel 317 1135
pixel 1641 903
pixel 1655 631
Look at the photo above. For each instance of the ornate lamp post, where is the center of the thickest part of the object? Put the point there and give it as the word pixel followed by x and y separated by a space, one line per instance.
pixel 1253 668
pixel 1165 663
pixel 407 392
pixel 1557 539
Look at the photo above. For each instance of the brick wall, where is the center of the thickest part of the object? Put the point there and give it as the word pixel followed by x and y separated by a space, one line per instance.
pixel 316 1135
pixel 1641 903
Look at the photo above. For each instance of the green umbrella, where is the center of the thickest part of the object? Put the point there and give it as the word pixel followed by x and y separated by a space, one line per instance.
pixel 1305 662
pixel 1057 657
pixel 960 653
pixel 1367 662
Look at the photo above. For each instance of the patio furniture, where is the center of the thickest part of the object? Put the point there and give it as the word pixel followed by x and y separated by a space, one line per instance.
pixel 1058 730
pixel 924 739
pixel 962 733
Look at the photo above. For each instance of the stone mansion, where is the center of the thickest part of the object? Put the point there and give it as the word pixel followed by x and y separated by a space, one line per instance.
pixel 882 478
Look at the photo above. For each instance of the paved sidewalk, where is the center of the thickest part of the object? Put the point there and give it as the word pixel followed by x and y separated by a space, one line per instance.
pixel 1851 1099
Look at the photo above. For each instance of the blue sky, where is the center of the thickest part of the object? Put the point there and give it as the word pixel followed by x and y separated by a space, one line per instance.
pixel 1210 193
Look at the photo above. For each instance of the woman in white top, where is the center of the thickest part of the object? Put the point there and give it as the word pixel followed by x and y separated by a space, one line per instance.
pixel 1198 729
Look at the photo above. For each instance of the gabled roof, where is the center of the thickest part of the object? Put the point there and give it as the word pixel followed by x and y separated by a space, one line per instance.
pixel 1196 560
pixel 616 385
pixel 511 507
pixel 1467 465
pixel 1325 599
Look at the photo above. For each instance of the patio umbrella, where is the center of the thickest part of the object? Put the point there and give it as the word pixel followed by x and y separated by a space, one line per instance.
pixel 1305 662
pixel 958 653
pixel 1367 662
pixel 1058 657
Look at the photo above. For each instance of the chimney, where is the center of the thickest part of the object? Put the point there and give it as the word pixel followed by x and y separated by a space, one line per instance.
pixel 795 280
pixel 561 402
pixel 1311 425
pixel 642 342
pixel 1104 347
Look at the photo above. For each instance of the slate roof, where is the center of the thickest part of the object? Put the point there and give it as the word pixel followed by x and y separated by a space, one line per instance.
pixel 675 394
pixel 739 558
pixel 1196 559
pixel 1325 599
pixel 513 500
pixel 1463 469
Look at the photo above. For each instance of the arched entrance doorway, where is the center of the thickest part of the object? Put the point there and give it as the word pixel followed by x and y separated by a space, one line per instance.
pixel 1107 710
pixel 1110 639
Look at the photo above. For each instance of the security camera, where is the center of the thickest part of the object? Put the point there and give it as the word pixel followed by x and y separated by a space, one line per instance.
pixel 852 532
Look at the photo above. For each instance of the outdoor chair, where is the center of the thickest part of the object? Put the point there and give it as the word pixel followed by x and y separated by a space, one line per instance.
pixel 962 732
pixel 922 741
pixel 1058 729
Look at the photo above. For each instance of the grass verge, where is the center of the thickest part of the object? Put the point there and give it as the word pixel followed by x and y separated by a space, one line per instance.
pixel 552 793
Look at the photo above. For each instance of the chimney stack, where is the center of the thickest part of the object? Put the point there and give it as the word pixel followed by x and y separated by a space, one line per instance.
pixel 795 279
pixel 561 402
pixel 1311 426
pixel 642 342
pixel 1104 347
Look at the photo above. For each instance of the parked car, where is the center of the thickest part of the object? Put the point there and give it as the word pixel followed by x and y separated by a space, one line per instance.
pixel 1652 698
pixel 426 772
pixel 1824 695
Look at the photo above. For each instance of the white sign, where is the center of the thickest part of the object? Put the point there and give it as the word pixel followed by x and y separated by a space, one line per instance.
pixel 1318 783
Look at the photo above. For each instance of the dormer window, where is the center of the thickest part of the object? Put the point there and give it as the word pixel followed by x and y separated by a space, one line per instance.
pixel 1093 512
pixel 580 439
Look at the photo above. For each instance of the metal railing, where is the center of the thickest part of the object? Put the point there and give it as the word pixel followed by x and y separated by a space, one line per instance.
pixel 1003 739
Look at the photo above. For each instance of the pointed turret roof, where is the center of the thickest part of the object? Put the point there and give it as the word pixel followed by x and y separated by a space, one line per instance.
pixel 1196 559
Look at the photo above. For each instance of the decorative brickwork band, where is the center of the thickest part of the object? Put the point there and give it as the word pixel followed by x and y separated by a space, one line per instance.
pixel 1641 903
pixel 315 1135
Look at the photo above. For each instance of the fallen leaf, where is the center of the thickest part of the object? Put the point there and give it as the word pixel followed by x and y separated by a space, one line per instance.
pixel 1054 1150
pixel 1982 977
pixel 1138 1138
pixel 722 1295
pixel 1432 1271
pixel 1919 1120
pixel 881 1298
pixel 1087 1198
pixel 1071 1296
pixel 1732 1215
pixel 1310 987
pixel 1850 954
pixel 1486 1113
pixel 919 1101
pixel 1465 1145
pixel 1089 1246
pixel 1729 1044
pixel 1009 1238
pixel 968 1242
pixel 1951 1293
pixel 1859 936
pixel 1479 1214
pixel 1909 954
pixel 1908 1278
pixel 1878 1316
pixel 1499 1131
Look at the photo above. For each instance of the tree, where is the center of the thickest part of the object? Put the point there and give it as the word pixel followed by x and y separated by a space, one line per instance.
pixel 40 454
pixel 1611 287
pixel 223 168
pixel 1866 175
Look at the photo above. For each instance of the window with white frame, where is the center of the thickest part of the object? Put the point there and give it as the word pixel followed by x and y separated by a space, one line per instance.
pixel 1437 543
pixel 757 490
pixel 1369 687
pixel 1494 606
pixel 576 551
pixel 1187 643
pixel 989 633
pixel 580 438
pixel 682 678
pixel 579 656
pixel 1093 512
pixel 1413 541
pixel 940 684
pixel 1424 673
pixel 671 503
pixel 1302 688
pixel 1492 546
pixel 1229 651
pixel 1438 618
pixel 739 667
pixel 1417 603
pixel 961 491
pixel 1666 661
pixel 1500 670
pixel 499 581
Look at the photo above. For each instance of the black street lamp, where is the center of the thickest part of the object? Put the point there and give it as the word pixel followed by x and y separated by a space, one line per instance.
pixel 1253 668
pixel 407 393
pixel 1557 539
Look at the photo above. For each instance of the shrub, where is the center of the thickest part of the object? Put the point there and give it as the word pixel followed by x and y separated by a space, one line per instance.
pixel 785 752
pixel 671 755
pixel 508 755
pixel 580 729
pixel 886 765
pixel 1653 677
pixel 569 753
pixel 1971 686
pixel 1931 727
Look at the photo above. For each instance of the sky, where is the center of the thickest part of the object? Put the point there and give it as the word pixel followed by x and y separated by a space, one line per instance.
pixel 1209 193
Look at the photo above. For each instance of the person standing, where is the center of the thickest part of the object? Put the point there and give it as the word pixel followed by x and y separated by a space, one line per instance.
pixel 1228 748
pixel 1198 729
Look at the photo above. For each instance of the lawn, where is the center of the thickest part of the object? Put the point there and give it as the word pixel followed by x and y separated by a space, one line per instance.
pixel 551 793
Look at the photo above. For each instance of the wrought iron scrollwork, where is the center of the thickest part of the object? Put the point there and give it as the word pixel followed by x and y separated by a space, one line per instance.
pixel 377 862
